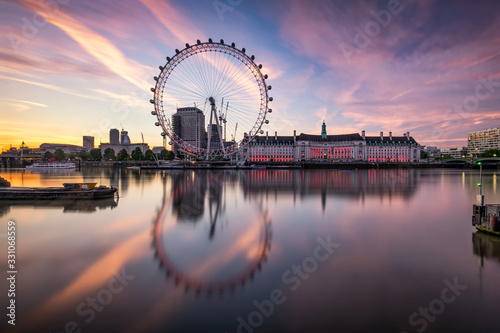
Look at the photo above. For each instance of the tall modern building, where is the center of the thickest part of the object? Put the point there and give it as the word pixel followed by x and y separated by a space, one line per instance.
pixel 124 140
pixel 189 125
pixel 478 142
pixel 215 140
pixel 114 136
pixel 88 143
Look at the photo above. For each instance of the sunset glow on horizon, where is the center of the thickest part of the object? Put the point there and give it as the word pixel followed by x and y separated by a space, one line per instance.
pixel 70 68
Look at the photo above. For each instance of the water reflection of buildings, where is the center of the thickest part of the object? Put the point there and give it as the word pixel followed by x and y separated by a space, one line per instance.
pixel 346 183
pixel 188 195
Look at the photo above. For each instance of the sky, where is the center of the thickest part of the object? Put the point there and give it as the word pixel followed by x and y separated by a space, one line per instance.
pixel 70 68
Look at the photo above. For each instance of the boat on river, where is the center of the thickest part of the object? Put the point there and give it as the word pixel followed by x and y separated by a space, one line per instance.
pixel 51 166
pixel 68 191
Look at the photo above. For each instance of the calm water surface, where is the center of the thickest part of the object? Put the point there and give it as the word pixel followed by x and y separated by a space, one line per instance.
pixel 255 251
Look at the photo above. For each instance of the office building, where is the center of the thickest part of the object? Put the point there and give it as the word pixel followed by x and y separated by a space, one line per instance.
pixel 114 136
pixel 189 124
pixel 124 138
pixel 88 143
pixel 480 141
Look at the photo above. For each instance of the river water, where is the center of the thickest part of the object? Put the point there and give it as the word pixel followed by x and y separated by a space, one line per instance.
pixel 255 251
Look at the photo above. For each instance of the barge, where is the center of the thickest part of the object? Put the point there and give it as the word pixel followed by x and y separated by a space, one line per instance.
pixel 68 191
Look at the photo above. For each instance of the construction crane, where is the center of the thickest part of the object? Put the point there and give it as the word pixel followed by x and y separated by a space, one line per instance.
pixel 223 116
pixel 235 129
pixel 142 136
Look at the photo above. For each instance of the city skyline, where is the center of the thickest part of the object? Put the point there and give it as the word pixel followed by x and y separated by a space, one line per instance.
pixel 72 68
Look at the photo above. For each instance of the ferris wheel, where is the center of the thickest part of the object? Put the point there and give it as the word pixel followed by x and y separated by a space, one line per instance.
pixel 211 99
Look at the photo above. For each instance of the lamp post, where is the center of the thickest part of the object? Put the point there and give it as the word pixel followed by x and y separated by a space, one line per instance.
pixel 480 197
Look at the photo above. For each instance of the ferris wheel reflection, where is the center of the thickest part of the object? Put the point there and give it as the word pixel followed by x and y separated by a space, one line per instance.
pixel 207 237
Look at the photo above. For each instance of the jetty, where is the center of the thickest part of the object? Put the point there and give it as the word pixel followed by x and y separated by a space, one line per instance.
pixel 67 191
pixel 485 217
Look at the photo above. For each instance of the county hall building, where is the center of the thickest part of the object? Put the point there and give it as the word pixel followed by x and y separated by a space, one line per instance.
pixel 340 148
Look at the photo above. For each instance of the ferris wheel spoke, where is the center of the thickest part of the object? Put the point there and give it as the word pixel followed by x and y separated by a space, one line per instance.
pixel 196 74
pixel 227 72
pixel 235 77
pixel 187 91
pixel 181 80
pixel 242 80
pixel 201 64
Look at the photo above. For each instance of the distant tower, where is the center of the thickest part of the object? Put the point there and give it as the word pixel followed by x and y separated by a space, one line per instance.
pixel 114 136
pixel 323 130
pixel 88 143
pixel 125 140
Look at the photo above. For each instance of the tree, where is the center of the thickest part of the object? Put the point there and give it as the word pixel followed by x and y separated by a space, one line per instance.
pixel 109 154
pixel 490 153
pixel 47 155
pixel 163 154
pixel 122 155
pixel 95 154
pixel 148 155
pixel 137 154
pixel 83 155
pixel 167 155
pixel 71 156
pixel 59 155
pixel 444 157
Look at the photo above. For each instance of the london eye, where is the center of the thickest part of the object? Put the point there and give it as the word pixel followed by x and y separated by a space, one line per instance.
pixel 211 99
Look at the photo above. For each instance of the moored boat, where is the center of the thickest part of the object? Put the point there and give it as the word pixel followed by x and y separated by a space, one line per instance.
pixel 51 166
pixel 68 191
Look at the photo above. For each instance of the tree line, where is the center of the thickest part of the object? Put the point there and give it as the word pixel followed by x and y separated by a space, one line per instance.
pixel 109 155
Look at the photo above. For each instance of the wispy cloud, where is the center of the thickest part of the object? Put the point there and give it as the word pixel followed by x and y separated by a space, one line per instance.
pixel 176 21
pixel 51 87
pixel 26 102
pixel 393 82
pixel 95 44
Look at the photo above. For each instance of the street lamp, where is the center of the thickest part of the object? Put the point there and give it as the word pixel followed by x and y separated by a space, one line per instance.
pixel 480 197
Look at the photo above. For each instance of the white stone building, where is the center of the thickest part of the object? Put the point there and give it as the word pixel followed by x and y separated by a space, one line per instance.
pixel 334 148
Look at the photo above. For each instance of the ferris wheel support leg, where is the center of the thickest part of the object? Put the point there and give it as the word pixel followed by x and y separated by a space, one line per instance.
pixel 209 139
pixel 221 141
